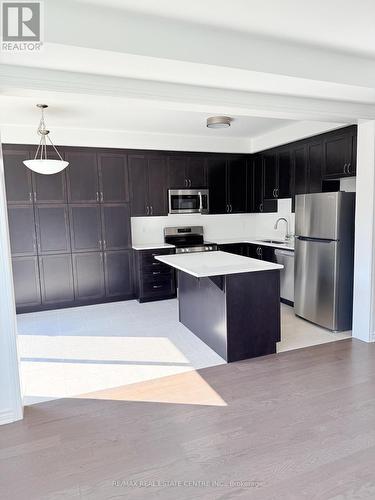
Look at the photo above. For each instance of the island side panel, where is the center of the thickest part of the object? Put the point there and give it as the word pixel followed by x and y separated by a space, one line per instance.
pixel 202 309
pixel 253 314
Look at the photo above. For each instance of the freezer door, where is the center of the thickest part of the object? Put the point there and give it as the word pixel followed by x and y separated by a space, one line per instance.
pixel 315 287
pixel 318 215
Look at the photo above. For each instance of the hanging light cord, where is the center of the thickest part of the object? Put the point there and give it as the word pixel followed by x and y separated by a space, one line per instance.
pixel 42 147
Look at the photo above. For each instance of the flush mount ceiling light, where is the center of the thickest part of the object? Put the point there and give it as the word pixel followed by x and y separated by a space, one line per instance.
pixel 218 121
pixel 41 163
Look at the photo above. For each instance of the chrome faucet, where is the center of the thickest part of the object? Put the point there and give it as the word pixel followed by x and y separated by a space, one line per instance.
pixel 288 236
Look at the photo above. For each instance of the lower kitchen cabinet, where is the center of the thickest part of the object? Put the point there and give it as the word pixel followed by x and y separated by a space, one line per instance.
pixel 56 278
pixel 26 282
pixel 118 268
pixel 88 269
pixel 235 248
pixel 154 280
pixel 261 252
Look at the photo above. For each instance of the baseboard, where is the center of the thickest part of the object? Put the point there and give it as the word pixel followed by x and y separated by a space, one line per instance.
pixel 8 416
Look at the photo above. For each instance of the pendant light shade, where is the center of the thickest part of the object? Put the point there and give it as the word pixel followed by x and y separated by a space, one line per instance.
pixel 41 163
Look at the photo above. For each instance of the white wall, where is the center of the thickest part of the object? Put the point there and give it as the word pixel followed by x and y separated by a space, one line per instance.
pixel 149 230
pixel 10 393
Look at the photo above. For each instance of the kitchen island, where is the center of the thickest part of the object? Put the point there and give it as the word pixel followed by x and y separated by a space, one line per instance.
pixel 230 302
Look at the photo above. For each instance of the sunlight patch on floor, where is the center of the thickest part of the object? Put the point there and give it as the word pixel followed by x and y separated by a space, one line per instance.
pixel 185 388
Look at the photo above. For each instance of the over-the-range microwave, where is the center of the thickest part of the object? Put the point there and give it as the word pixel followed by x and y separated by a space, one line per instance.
pixel 188 201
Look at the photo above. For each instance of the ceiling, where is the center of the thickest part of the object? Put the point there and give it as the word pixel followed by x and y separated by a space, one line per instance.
pixel 336 24
pixel 93 112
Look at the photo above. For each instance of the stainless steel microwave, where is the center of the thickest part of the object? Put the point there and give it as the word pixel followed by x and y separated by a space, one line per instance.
pixel 188 201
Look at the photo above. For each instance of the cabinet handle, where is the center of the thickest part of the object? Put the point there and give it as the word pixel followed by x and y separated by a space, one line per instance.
pixel 273 193
pixel 348 168
pixel 277 192
pixel 345 168
pixel 156 272
pixel 104 244
pixel 185 183
pixel 157 286
pixel 100 244
pixel 231 208
pixel 189 182
pixel 34 196
pixel 97 196
pixel 147 210
pixel 227 208
pixel 101 196
pixel 151 210
pixel 31 197
pixel 261 207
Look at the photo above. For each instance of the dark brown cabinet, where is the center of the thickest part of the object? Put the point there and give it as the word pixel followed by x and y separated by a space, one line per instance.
pixel 227 178
pixel 154 280
pixel 52 229
pixel 186 172
pixel 19 189
pixel 85 227
pixel 340 153
pixel 82 176
pixel 22 230
pixel 315 162
pixel 56 278
pixel 88 269
pixel 26 281
pixel 148 180
pixel 118 270
pixel 256 201
pixel 270 176
pixel 113 178
pixel 116 227
pixel 277 165
pixel 50 188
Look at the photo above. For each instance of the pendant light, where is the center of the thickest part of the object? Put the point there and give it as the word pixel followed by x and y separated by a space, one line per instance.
pixel 41 163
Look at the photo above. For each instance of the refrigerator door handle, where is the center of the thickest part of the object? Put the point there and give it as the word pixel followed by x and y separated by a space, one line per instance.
pixel 318 240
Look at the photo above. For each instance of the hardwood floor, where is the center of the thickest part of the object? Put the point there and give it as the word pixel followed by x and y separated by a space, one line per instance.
pixel 296 425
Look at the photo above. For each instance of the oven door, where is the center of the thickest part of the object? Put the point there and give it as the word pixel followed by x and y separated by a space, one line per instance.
pixel 188 201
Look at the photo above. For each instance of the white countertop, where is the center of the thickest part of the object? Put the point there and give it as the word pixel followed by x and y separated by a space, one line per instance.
pixel 221 241
pixel 151 246
pixel 203 264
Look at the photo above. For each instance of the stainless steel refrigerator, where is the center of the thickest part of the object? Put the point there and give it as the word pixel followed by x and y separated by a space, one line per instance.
pixel 324 259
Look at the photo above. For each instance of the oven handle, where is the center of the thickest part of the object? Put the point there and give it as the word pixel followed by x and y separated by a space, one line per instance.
pixel 200 202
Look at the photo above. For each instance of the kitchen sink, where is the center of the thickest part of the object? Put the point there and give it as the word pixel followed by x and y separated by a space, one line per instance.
pixel 278 242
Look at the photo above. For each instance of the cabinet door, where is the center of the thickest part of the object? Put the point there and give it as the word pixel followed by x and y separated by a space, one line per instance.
pixel 258 184
pixel 118 273
pixel 88 273
pixel 157 186
pixel 85 228
pixel 196 172
pixel 270 176
pixel 177 178
pixel 22 230
pixel 217 185
pixel 56 278
pixel 237 185
pixel 138 176
pixel 18 177
pixel 300 172
pixel 315 161
pixel 113 178
pixel 337 154
pixel 250 200
pixel 251 250
pixel 26 281
pixel 285 174
pixel 116 227
pixel 52 229
pixel 82 172
pixel 49 188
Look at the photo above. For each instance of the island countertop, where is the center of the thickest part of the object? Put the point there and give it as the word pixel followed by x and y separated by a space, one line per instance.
pixel 204 264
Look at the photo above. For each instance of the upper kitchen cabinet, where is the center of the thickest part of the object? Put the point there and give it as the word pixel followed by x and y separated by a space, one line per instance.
pixel 113 178
pixel 236 185
pixel 315 150
pixel 82 174
pixel 256 201
pixel 277 165
pixel 148 181
pixel 18 179
pixel 217 184
pixel 186 172
pixel 340 151
pixel 299 170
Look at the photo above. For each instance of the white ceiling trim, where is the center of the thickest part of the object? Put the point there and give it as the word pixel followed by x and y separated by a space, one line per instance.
pixel 15 80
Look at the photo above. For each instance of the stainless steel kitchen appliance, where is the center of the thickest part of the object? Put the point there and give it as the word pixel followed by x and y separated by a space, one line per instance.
pixel 188 201
pixel 324 254
pixel 188 239
pixel 286 259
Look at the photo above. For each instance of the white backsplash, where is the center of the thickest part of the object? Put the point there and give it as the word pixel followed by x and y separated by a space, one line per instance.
pixel 149 230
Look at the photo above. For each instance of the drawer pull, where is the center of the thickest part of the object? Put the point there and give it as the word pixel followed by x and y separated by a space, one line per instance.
pixel 156 272
pixel 157 286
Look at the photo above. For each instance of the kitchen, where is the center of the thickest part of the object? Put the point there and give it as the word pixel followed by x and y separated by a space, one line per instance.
pixel 187 301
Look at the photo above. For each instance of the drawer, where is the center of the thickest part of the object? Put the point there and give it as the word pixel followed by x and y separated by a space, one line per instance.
pixel 161 286
pixel 148 256
pixel 157 274
pixel 148 268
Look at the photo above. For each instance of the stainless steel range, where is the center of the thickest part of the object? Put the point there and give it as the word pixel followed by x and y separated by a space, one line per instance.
pixel 188 239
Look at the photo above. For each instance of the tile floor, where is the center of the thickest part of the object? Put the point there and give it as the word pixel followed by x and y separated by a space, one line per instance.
pixel 76 351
